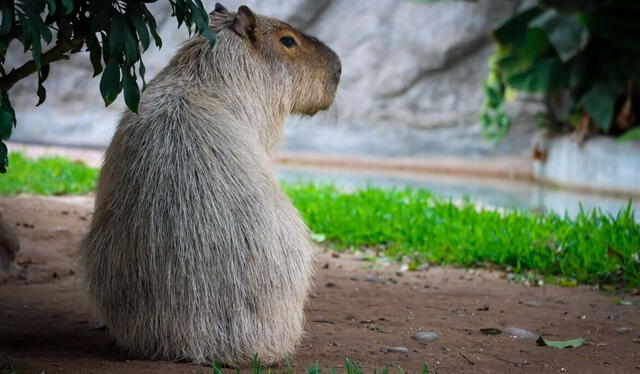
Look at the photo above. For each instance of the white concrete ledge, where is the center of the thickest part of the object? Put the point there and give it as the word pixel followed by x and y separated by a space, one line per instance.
pixel 601 164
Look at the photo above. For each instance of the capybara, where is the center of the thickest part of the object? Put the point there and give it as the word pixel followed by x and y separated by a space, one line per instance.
pixel 194 251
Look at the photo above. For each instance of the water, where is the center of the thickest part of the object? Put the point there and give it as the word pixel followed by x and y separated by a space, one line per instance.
pixel 499 193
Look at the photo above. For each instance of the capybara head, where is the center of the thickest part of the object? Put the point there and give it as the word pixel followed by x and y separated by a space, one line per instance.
pixel 303 67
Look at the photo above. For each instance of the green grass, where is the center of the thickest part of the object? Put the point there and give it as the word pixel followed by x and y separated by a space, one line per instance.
pixel 350 367
pixel 415 225
pixel 592 248
pixel 46 176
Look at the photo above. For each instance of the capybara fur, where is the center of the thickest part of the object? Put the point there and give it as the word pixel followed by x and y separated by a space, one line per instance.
pixel 194 252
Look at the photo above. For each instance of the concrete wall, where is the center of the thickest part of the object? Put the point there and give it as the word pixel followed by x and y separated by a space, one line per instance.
pixel 600 164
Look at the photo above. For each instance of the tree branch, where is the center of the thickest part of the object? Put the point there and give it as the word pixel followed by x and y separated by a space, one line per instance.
pixel 54 54
pixel 63 46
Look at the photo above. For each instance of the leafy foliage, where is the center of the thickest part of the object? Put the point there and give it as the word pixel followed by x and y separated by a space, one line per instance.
pixel 114 32
pixel 582 55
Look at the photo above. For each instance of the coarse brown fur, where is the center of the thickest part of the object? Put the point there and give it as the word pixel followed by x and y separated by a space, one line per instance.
pixel 194 252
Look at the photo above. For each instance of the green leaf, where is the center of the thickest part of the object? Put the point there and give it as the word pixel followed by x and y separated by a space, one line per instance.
pixel 7 18
pixel 52 6
pixel 116 34
pixel 95 53
pixel 42 76
pixel 36 51
pixel 4 157
pixel 25 35
pixel 151 21
pixel 512 32
pixel 7 116
pixel 573 343
pixel 142 70
pixel 110 82
pixel 533 45
pixel 36 22
pixel 543 76
pixel 599 102
pixel 633 134
pixel 201 19
pixel 491 331
pixel 565 32
pixel 131 91
pixel 68 5
pixel 130 45
pixel 141 29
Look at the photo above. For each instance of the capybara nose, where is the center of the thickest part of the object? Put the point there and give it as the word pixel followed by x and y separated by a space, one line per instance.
pixel 337 72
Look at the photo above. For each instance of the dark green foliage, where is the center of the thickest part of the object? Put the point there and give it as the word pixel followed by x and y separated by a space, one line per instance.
pixel 588 50
pixel 114 32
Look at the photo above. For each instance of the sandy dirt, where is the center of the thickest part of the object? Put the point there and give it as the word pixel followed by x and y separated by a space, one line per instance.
pixel 47 324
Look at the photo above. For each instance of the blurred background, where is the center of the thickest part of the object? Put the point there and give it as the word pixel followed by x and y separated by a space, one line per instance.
pixel 414 105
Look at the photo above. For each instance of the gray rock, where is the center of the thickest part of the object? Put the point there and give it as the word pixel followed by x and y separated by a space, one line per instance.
pixel 426 336
pixel 410 86
pixel 402 350
pixel 374 279
pixel 623 330
pixel 520 333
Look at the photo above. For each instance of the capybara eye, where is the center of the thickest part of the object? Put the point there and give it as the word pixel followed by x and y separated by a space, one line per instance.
pixel 288 42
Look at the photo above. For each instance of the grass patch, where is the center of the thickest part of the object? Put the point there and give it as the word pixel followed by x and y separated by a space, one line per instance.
pixel 350 367
pixel 411 223
pixel 592 248
pixel 46 176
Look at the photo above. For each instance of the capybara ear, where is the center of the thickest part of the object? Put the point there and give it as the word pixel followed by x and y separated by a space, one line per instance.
pixel 245 23
pixel 219 9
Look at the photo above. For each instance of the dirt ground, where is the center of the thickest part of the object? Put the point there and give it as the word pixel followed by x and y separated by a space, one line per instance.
pixel 356 311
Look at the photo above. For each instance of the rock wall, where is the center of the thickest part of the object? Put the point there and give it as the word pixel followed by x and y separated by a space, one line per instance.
pixel 411 84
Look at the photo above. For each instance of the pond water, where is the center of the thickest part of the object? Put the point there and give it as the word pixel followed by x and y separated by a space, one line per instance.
pixel 495 192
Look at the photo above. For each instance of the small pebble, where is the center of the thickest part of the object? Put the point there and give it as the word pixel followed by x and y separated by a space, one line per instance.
pixel 100 326
pixel 402 350
pixel 374 279
pixel 614 317
pixel 531 303
pixel 520 333
pixel 623 330
pixel 426 336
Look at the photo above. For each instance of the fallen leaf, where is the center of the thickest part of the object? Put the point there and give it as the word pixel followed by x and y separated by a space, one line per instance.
pixel 622 302
pixel 376 329
pixel 568 283
pixel 491 331
pixel 561 344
